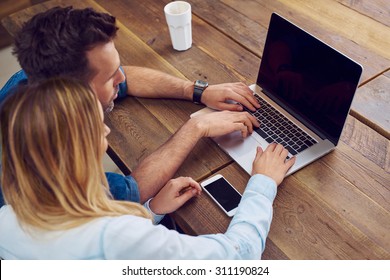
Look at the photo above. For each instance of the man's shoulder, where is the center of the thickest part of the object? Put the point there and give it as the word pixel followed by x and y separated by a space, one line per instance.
pixel 15 80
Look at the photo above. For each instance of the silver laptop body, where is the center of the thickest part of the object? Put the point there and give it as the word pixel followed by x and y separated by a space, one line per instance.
pixel 309 84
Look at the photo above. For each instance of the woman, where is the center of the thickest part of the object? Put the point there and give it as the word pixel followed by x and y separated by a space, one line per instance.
pixel 58 203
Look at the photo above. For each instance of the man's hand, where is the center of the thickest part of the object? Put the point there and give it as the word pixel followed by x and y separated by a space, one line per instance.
pixel 174 194
pixel 216 97
pixel 220 123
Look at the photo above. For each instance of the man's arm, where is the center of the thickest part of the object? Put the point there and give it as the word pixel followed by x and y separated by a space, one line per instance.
pixel 159 167
pixel 149 83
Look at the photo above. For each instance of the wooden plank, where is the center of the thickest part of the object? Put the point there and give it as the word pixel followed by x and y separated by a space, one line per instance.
pixel 10 6
pixel 7 7
pixel 272 252
pixel 237 26
pixel 367 142
pixel 364 31
pixel 378 10
pixel 355 189
pixel 131 136
pixel 328 27
pixel 371 105
pixel 363 174
pixel 127 40
pixel 304 225
pixel 307 227
pixel 229 62
pixel 350 203
pixel 14 22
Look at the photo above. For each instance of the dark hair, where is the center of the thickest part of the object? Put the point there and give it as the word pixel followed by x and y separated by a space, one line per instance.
pixel 54 43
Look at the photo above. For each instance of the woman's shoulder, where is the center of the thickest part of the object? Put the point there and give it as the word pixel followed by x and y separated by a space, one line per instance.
pixel 6 212
pixel 86 241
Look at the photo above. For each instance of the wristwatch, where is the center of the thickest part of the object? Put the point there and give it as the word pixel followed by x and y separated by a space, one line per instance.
pixel 199 87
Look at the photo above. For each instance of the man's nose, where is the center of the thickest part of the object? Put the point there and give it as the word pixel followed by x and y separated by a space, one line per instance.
pixel 121 77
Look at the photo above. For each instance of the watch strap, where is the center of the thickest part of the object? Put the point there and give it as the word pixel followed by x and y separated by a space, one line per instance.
pixel 197 95
pixel 199 88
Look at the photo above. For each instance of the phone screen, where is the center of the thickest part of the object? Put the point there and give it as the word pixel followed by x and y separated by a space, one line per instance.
pixel 224 193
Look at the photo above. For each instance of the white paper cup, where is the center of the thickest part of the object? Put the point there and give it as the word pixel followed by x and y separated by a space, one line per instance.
pixel 178 16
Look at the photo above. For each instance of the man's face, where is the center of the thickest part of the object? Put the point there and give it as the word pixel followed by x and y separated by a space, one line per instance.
pixel 104 61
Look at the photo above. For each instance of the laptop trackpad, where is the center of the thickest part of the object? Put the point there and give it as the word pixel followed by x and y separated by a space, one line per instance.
pixel 237 146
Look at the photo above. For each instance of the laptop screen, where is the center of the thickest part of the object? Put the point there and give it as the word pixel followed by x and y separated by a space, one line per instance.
pixel 309 79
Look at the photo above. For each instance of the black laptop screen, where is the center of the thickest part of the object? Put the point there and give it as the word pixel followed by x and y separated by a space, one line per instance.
pixel 312 81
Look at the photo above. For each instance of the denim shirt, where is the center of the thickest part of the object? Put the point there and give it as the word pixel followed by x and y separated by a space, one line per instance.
pixel 20 77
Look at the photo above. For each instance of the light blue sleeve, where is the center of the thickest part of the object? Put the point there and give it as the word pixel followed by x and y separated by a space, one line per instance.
pixel 261 190
pixel 156 217
pixel 130 237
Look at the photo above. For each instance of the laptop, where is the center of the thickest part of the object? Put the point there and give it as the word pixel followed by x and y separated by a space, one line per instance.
pixel 305 89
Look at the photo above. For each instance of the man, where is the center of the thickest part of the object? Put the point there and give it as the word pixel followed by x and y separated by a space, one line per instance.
pixel 79 44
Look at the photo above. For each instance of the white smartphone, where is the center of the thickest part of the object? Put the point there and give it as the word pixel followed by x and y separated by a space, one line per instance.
pixel 223 193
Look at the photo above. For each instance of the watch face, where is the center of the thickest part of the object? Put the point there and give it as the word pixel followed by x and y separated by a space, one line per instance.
pixel 201 83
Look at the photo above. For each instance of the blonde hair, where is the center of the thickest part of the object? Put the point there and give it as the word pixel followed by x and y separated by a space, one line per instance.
pixel 52 157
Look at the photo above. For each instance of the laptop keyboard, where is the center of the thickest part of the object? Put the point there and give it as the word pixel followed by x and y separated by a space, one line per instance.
pixel 276 128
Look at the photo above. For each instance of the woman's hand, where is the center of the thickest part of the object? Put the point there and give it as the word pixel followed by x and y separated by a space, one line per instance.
pixel 272 162
pixel 174 194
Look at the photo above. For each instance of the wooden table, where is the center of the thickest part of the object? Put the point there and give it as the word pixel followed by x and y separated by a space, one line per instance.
pixel 336 208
